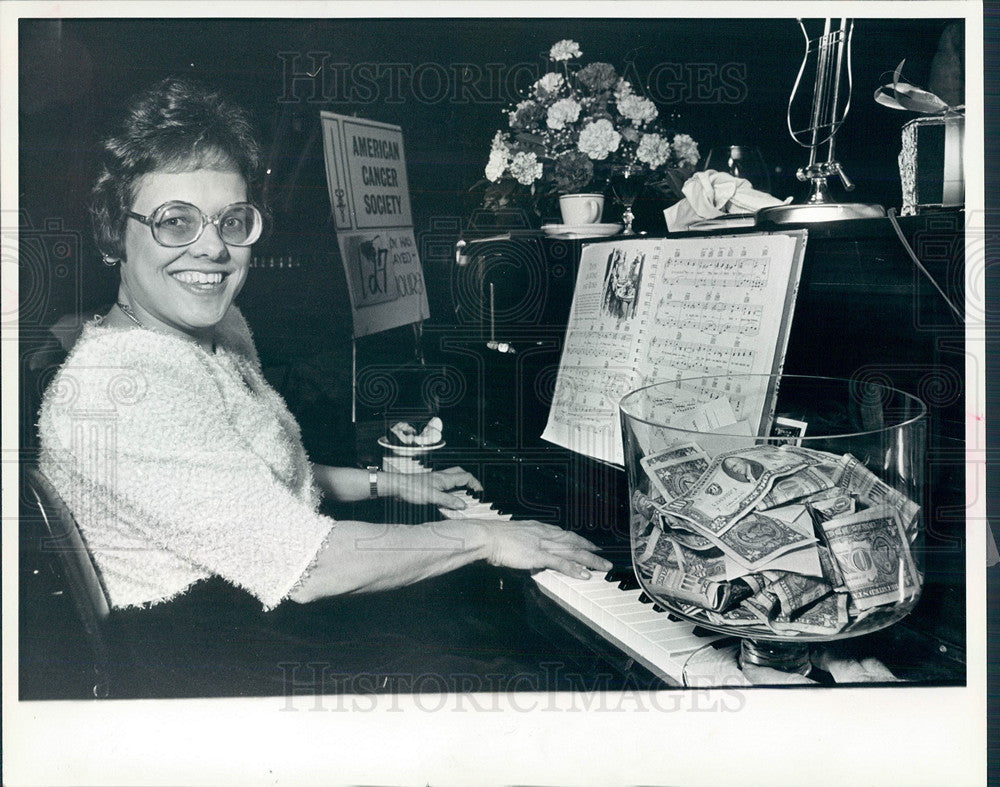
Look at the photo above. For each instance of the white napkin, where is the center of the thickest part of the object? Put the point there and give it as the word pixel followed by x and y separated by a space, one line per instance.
pixel 710 194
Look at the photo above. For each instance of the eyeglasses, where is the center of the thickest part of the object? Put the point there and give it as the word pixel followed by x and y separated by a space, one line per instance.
pixel 181 223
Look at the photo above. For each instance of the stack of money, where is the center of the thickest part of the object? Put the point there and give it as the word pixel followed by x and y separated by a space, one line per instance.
pixel 776 540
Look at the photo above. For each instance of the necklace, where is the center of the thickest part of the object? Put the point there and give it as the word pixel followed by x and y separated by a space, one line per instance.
pixel 127 311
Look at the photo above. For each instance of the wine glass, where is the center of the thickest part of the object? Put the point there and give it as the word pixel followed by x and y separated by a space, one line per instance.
pixel 627 181
pixel 741 161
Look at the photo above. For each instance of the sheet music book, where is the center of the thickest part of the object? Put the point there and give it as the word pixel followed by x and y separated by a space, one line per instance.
pixel 649 310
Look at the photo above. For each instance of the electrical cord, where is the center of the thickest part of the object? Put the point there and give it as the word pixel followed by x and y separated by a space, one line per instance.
pixel 916 261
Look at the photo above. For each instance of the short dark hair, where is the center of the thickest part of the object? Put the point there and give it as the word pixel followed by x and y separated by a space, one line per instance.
pixel 177 125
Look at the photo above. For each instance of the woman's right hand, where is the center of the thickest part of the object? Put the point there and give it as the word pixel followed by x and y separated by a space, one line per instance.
pixel 535 545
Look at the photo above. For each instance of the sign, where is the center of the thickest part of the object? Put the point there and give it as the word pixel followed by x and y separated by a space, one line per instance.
pixel 370 201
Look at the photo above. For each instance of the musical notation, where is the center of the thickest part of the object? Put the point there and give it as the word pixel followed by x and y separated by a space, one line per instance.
pixel 703 306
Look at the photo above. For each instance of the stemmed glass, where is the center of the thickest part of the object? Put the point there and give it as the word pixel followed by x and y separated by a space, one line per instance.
pixel 627 181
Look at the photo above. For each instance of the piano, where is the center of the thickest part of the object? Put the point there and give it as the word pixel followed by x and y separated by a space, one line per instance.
pixel 857 282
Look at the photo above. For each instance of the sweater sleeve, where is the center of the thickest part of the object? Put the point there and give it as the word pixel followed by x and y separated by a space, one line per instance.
pixel 198 476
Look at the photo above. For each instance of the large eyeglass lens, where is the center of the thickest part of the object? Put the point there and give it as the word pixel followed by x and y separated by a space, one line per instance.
pixel 178 224
pixel 240 225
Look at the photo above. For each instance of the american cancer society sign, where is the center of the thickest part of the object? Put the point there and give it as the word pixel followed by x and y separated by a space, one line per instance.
pixel 370 200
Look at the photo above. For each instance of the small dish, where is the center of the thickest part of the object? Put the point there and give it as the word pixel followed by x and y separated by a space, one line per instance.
pixel 409 450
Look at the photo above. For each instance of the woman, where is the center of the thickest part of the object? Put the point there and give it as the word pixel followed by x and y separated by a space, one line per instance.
pixel 177 458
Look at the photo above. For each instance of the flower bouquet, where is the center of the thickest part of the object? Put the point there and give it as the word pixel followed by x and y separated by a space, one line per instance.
pixel 573 128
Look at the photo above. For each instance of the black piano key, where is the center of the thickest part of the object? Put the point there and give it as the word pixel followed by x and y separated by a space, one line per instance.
pixel 719 644
pixel 629 582
pixel 618 574
pixel 673 618
pixel 644 599
pixel 700 631
pixel 658 608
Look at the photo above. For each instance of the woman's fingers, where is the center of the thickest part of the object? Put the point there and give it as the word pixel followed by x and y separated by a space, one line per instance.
pixel 852 671
pixel 878 671
pixel 444 500
pixel 534 545
pixel 455 476
pixel 567 567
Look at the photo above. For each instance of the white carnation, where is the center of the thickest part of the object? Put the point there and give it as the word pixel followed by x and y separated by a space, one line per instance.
pixel 497 165
pixel 686 149
pixel 564 50
pixel 549 83
pixel 598 139
pixel 526 168
pixel 637 109
pixel 653 150
pixel 564 111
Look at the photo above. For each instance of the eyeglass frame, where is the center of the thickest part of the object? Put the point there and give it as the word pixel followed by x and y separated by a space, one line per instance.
pixel 205 221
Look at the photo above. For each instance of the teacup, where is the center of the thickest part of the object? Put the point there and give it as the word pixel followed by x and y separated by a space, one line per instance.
pixel 581 208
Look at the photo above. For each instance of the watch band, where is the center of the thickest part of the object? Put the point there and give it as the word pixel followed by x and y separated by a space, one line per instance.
pixel 373 481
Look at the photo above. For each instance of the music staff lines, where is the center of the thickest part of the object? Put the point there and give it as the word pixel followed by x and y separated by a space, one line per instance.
pixel 715 316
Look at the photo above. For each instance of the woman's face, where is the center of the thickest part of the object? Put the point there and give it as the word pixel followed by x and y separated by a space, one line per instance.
pixel 188 289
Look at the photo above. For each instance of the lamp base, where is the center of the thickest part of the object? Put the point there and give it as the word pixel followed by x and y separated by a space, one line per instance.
pixel 818 212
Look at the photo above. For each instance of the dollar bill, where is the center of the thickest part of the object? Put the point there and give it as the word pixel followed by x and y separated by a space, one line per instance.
pixel 873 553
pixel 644 505
pixel 742 615
pixel 795 516
pixel 795 591
pixel 674 452
pixel 757 540
pixel 832 507
pixel 701 591
pixel 871 490
pixel 830 568
pixel 684 535
pixel 658 550
pixel 674 477
pixel 762 605
pixel 733 484
pixel 807 481
pixel 827 616
pixel 699 563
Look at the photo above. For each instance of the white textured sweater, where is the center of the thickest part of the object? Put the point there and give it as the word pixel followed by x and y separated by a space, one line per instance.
pixel 179 464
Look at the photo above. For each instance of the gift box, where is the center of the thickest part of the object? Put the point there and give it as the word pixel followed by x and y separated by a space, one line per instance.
pixel 930 163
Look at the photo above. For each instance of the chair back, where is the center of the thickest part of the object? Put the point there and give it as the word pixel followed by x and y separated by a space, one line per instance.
pixel 66 545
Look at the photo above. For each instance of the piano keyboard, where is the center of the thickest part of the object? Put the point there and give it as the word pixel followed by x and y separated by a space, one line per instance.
pixel 620 612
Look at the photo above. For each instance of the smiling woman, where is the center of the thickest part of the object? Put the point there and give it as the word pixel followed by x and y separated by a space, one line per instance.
pixel 183 467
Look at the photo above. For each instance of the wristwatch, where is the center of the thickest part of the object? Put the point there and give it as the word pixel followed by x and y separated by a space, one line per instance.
pixel 373 481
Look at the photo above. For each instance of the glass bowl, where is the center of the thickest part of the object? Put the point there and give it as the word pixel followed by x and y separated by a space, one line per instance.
pixel 784 510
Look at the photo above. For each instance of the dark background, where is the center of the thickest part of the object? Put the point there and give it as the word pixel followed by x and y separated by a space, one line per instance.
pixel 447 83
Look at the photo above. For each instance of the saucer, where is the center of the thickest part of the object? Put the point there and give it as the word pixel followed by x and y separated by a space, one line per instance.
pixel 574 231
pixel 409 450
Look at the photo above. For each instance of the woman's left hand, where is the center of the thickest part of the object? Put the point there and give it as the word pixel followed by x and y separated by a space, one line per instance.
pixel 432 488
